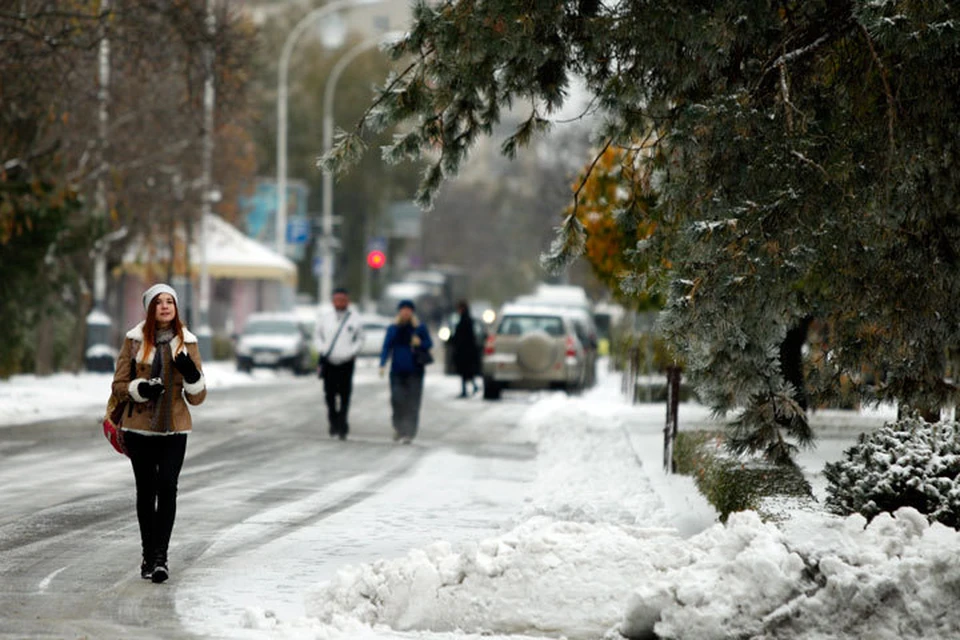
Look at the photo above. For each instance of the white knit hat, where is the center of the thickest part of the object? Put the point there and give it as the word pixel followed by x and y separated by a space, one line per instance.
pixel 156 290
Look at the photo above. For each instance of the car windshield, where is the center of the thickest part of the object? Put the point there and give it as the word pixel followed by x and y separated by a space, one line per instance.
pixel 374 326
pixel 520 325
pixel 271 327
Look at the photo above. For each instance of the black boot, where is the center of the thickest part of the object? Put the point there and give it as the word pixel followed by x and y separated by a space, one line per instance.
pixel 147 562
pixel 160 570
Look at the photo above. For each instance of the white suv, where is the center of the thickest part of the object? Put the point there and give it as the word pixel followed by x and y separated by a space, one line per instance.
pixel 275 340
pixel 533 347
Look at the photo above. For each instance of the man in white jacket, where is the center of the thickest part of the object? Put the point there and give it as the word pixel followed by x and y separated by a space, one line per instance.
pixel 340 336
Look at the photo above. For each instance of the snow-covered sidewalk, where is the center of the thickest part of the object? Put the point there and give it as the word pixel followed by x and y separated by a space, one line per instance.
pixel 608 545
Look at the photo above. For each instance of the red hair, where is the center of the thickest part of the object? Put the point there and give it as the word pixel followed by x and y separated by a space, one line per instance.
pixel 150 326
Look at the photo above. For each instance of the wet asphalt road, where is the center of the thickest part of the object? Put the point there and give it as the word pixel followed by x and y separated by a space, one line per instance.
pixel 69 544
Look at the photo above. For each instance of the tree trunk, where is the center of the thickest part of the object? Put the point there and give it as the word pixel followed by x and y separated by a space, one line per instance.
pixel 43 355
pixel 671 426
pixel 791 359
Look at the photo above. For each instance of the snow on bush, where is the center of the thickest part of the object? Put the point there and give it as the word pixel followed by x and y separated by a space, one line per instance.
pixel 908 463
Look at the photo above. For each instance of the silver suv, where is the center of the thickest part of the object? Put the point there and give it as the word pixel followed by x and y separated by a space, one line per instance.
pixel 533 347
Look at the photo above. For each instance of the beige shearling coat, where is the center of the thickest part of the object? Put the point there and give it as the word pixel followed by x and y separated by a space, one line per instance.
pixel 138 419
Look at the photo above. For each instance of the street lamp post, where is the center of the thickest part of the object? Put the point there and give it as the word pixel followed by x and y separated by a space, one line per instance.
pixel 329 89
pixel 98 355
pixel 204 332
pixel 282 75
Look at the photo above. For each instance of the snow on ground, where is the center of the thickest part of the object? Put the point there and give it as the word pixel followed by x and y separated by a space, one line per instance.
pixel 30 398
pixel 602 548
pixel 601 542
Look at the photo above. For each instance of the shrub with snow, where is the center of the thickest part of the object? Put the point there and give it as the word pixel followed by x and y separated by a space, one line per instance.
pixel 908 463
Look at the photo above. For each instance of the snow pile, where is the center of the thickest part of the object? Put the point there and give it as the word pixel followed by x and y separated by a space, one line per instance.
pixel 819 576
pixel 594 527
pixel 544 576
pixel 596 554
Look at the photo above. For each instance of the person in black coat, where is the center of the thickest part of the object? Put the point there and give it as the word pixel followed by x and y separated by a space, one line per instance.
pixel 466 352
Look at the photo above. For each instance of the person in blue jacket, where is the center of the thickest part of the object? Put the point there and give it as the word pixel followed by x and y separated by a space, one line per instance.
pixel 405 337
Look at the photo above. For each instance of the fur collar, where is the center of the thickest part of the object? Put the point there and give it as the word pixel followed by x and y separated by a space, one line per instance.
pixel 414 321
pixel 143 354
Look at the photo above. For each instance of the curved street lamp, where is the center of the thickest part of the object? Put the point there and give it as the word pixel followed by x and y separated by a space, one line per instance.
pixel 329 89
pixel 282 75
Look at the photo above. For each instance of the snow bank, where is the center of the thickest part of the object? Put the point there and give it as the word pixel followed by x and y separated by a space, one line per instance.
pixel 594 525
pixel 818 576
pixel 597 553
pixel 544 576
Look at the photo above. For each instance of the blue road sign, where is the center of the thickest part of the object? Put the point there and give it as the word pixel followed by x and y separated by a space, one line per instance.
pixel 298 231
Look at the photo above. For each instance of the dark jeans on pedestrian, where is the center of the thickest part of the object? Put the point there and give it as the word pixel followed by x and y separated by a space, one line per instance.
pixel 156 461
pixel 406 391
pixel 337 387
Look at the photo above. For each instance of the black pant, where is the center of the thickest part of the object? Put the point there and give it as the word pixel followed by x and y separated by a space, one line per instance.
pixel 337 387
pixel 156 461
pixel 406 392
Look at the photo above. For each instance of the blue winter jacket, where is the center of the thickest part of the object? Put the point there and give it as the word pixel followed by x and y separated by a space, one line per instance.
pixel 397 342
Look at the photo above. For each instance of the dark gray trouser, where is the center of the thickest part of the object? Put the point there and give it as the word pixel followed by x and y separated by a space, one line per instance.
pixel 337 386
pixel 406 391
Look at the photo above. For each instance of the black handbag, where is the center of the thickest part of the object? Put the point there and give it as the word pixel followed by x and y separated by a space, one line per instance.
pixel 422 357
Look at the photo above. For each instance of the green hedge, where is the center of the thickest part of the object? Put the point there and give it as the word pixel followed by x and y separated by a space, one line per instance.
pixel 731 485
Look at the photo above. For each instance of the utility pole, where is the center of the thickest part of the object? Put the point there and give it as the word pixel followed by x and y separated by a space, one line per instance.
pixel 204 332
pixel 98 355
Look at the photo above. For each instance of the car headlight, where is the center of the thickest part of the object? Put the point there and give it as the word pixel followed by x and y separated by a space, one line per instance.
pixel 489 316
pixel 444 333
pixel 243 349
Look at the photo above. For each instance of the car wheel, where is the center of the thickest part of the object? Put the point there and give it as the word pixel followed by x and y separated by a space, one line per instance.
pixel 491 390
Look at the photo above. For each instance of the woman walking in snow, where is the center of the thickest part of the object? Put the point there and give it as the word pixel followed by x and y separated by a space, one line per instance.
pixel 466 351
pixel 405 338
pixel 158 369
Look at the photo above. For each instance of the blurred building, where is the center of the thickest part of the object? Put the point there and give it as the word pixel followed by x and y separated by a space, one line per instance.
pixel 245 277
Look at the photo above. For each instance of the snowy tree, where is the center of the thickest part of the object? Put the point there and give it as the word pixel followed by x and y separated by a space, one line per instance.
pixel 804 156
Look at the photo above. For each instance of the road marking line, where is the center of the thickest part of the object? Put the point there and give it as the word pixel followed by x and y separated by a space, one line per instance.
pixel 46 581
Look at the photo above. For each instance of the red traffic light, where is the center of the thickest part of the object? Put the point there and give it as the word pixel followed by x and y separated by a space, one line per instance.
pixel 376 259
